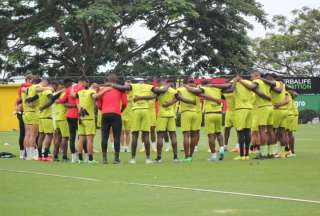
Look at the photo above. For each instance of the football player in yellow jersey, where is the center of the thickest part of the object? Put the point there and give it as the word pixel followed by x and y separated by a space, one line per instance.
pixel 166 121
pixel 255 135
pixel 292 122
pixel 242 114
pixel 87 124
pixel 280 100
pixel 213 119
pixel 189 116
pixel 31 116
pixel 62 133
pixel 228 95
pixel 126 120
pixel 45 120
pixel 265 112
pixel 141 121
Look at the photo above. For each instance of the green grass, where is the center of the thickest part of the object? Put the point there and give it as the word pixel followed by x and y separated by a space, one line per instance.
pixel 30 194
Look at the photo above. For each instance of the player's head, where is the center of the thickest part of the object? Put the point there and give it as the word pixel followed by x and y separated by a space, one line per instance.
pixel 94 86
pixel 54 85
pixel 127 82
pixel 170 82
pixel 255 74
pixel 67 83
pixel 28 78
pixel 112 77
pixel 271 76
pixel 45 81
pixel 83 80
pixel 61 85
pixel 36 79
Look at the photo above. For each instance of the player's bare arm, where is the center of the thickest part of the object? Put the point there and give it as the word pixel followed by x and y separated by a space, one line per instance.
pixel 194 90
pixel 278 89
pixel 119 87
pixel 271 83
pixel 101 92
pixel 160 90
pixel 210 98
pixel 170 103
pixel 52 98
pixel 283 103
pixel 249 85
pixel 223 86
pixel 185 100
pixel 261 94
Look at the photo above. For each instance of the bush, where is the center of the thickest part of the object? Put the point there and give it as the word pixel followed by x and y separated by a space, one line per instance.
pixel 306 116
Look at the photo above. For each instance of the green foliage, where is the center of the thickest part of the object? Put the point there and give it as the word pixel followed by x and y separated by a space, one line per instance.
pixel 295 50
pixel 73 37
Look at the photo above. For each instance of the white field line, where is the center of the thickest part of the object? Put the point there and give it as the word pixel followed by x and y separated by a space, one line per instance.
pixel 167 186
pixel 225 192
pixel 53 175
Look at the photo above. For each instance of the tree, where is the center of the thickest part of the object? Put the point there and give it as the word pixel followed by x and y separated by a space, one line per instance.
pixel 73 37
pixel 295 50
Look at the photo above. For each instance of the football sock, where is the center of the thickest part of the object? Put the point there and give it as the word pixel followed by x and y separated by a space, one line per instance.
pixel 90 157
pixel 80 157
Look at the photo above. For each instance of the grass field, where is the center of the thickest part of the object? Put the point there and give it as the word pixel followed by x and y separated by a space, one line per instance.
pixel 108 190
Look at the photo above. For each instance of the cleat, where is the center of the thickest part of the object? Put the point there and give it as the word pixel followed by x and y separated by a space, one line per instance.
pixel 221 154
pixel 176 160
pixel 56 159
pixel 116 161
pixel 92 162
pixel 247 158
pixel 66 160
pixel 81 162
pixel 243 158
pixel 209 151
pixel 187 160
pixel 158 160
pixel 237 158
pixel 212 158
pixel 132 161
pixel 291 155
pixel 47 159
pixel 149 161
pixel 104 161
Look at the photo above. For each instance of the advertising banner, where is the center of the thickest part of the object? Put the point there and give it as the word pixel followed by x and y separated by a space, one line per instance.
pixel 304 85
pixel 311 102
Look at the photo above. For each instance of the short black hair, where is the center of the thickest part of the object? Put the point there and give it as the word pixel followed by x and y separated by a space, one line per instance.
pixel 36 79
pixel 112 77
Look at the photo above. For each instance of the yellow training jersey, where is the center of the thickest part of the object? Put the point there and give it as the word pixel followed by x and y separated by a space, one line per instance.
pixel 167 97
pixel 188 95
pixel 266 89
pixel 243 97
pixel 141 89
pixel 211 106
pixel 87 102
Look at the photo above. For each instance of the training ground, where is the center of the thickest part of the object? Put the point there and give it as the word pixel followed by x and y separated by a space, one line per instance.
pixel 283 187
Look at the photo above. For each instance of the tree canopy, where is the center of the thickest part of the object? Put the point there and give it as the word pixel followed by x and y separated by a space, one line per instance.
pixel 295 50
pixel 76 37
